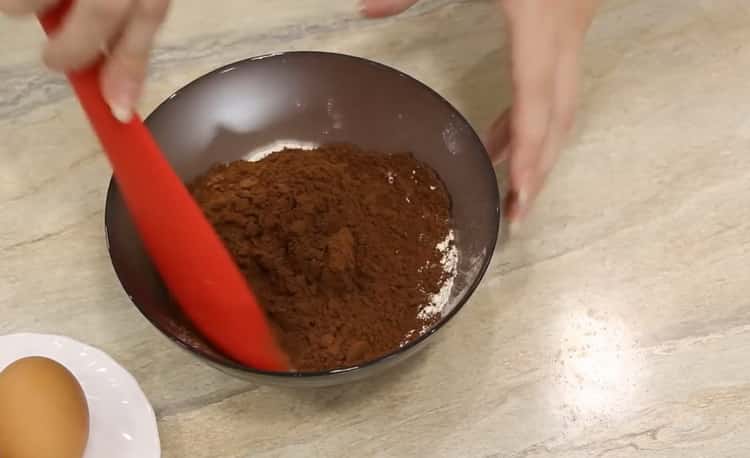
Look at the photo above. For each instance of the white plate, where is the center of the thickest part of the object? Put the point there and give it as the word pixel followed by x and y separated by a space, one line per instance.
pixel 122 423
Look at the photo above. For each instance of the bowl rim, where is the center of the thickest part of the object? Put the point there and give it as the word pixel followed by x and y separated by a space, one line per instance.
pixel 227 362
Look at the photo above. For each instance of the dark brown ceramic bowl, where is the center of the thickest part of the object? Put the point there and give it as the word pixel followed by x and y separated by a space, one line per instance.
pixel 313 98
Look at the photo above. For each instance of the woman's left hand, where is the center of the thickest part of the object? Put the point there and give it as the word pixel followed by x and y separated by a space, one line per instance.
pixel 546 38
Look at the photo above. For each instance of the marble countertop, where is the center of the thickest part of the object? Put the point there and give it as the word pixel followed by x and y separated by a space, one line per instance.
pixel 616 324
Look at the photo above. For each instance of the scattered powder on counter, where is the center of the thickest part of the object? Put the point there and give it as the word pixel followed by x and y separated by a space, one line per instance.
pixel 350 253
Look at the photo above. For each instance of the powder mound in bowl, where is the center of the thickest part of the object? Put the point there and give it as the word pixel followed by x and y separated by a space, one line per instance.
pixel 349 252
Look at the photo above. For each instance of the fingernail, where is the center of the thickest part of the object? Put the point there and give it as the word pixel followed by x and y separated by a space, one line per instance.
pixel 104 48
pixel 121 113
pixel 121 101
pixel 504 155
pixel 522 199
pixel 514 227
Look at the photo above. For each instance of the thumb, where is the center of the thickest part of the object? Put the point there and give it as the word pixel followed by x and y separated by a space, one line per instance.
pixel 384 8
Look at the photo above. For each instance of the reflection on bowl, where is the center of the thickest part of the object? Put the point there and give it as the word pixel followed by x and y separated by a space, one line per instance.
pixel 298 99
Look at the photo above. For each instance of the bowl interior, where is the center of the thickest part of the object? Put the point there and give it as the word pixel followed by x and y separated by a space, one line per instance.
pixel 308 98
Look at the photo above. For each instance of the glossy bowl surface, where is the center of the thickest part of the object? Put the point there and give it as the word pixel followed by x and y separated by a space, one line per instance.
pixel 262 104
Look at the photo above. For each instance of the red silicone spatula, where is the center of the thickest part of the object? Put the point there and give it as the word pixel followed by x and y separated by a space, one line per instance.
pixel 190 257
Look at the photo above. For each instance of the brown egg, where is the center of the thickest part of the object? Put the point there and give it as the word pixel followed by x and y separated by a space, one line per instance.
pixel 43 411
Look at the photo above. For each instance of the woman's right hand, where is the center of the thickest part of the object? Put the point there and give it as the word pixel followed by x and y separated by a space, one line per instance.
pixel 122 30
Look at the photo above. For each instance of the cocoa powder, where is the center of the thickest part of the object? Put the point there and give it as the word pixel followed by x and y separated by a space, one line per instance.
pixel 338 244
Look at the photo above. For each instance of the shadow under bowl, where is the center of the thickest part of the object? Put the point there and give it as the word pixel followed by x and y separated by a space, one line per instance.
pixel 308 99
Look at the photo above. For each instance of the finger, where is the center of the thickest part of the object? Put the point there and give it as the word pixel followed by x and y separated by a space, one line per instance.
pixel 22 7
pixel 565 107
pixel 125 69
pixel 561 123
pixel 534 50
pixel 498 139
pixel 87 30
pixel 383 8
pixel 568 76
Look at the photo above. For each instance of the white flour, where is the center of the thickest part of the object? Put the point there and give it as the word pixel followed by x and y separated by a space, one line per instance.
pixel 449 262
pixel 439 300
